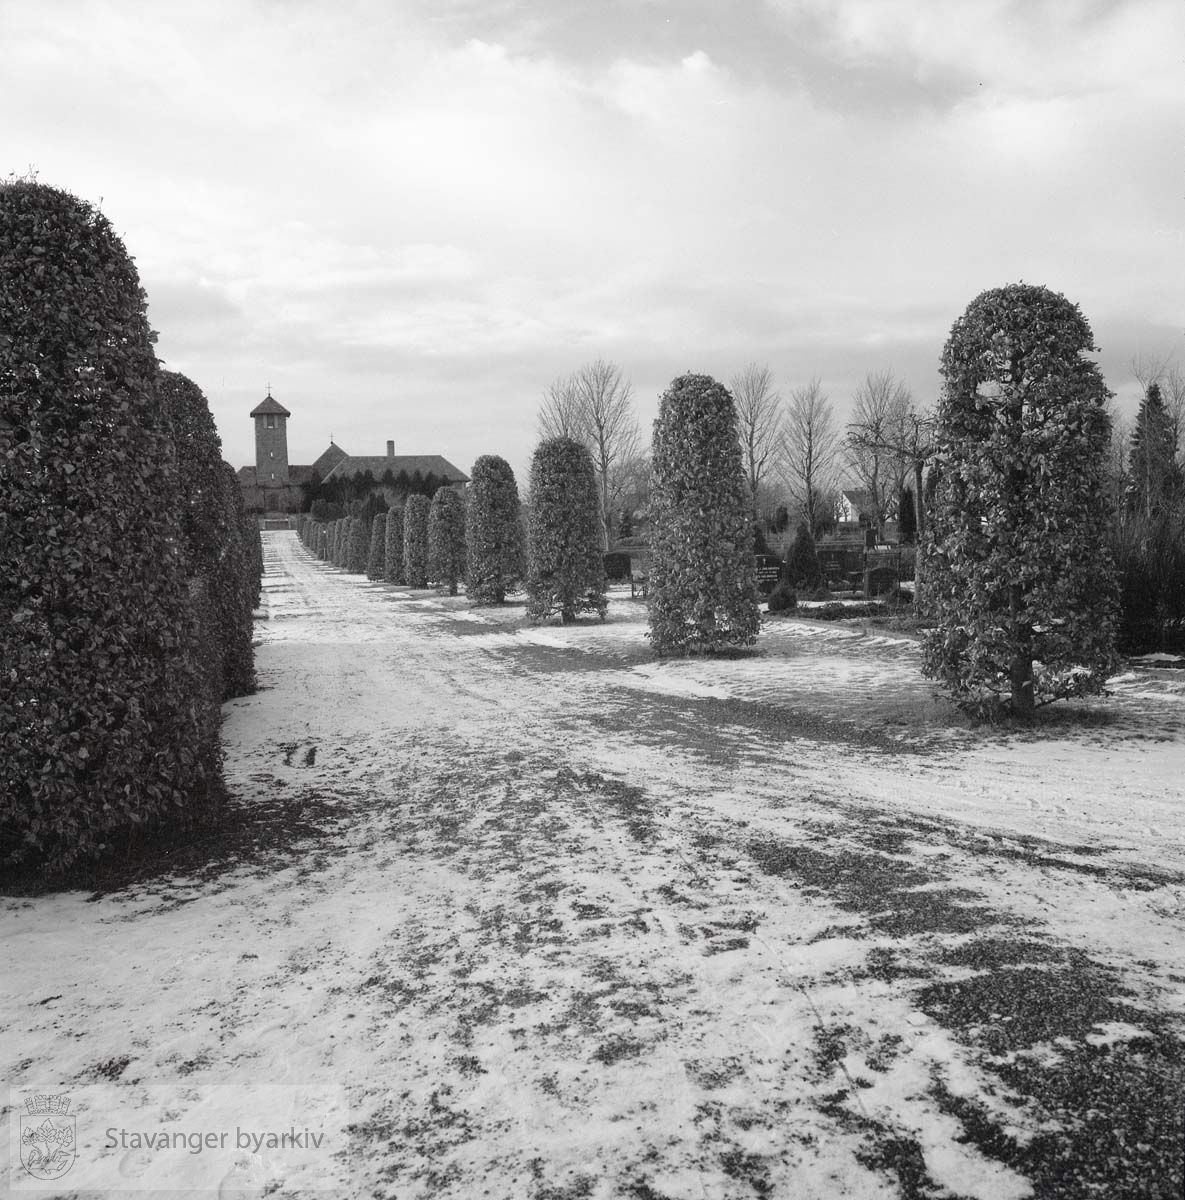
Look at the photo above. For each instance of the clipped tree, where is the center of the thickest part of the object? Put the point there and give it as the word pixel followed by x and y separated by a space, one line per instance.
pixel 375 562
pixel 358 553
pixel 1019 583
pixel 703 581
pixel 566 574
pixel 446 539
pixel 99 730
pixel 493 531
pixel 219 560
pixel 415 540
pixel 802 569
pixel 393 546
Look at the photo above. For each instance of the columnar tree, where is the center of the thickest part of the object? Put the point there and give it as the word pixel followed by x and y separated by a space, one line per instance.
pixel 566 573
pixel 446 539
pixel 415 541
pixel 1019 582
pixel 702 572
pixel 594 406
pixel 359 551
pixel 375 561
pixel 393 546
pixel 98 728
pixel 493 531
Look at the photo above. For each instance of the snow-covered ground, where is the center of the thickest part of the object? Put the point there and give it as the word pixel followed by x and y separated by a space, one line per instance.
pixel 546 917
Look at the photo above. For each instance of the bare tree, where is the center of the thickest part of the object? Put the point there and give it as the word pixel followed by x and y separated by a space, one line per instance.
pixel 1172 388
pixel 594 406
pixel 559 414
pixel 879 417
pixel 759 422
pixel 809 453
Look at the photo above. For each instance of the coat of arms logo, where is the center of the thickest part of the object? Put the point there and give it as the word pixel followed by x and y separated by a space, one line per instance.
pixel 47 1136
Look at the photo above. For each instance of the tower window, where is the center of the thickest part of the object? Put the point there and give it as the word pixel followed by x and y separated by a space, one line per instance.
pixel 271 454
pixel 271 420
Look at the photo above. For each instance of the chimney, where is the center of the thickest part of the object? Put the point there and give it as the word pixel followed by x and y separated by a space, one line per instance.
pixel 390 449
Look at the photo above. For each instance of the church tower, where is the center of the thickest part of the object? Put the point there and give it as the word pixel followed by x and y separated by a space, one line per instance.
pixel 271 442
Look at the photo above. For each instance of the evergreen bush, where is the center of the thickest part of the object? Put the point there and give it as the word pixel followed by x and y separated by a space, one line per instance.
pixel 99 729
pixel 378 545
pixel 802 568
pixel 415 540
pixel 565 574
pixel 1019 582
pixel 393 548
pixel 703 584
pixel 359 546
pixel 493 532
pixel 446 540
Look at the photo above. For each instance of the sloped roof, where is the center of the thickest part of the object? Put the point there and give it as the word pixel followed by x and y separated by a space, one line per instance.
pixel 270 407
pixel 378 464
pixel 329 458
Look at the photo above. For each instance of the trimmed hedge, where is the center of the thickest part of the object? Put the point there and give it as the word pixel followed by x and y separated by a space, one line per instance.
pixel 415 541
pixel 493 531
pixel 566 575
pixel 378 541
pixel 446 540
pixel 99 727
pixel 393 546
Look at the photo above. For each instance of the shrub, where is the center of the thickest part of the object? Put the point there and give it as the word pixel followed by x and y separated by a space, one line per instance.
pixel 375 562
pixel 359 545
pixel 565 574
pixel 802 569
pixel 446 540
pixel 703 586
pixel 415 540
pixel 493 532
pixel 1017 579
pixel 783 598
pixel 99 732
pixel 393 546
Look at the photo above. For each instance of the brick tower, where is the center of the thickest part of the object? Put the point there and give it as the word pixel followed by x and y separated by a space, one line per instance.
pixel 271 443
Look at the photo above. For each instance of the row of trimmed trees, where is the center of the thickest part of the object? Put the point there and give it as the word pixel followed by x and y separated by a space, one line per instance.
pixel 128 568
pixel 476 538
pixel 1020 595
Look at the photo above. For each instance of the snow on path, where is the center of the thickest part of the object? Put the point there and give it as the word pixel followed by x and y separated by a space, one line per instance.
pixel 583 924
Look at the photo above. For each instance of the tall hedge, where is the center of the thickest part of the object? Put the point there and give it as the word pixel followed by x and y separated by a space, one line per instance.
pixel 211 511
pixel 393 548
pixel 1019 582
pixel 703 582
pixel 378 542
pixel 415 541
pixel 493 531
pixel 566 573
pixel 446 539
pixel 359 545
pixel 98 729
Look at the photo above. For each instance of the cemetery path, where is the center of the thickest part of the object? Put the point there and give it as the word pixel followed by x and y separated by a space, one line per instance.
pixel 568 923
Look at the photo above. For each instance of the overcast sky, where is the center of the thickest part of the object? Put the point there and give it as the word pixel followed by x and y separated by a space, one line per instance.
pixel 409 217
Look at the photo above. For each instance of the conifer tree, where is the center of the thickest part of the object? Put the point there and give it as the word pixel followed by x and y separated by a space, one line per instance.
pixel 493 531
pixel 446 539
pixel 802 569
pixel 566 574
pixel 1018 578
pixel 415 540
pixel 702 572
pixel 1154 474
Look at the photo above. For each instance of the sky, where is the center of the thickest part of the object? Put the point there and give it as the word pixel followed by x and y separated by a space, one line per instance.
pixel 408 218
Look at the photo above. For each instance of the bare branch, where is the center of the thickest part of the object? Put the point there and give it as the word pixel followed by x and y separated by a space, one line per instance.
pixel 809 452
pixel 759 421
